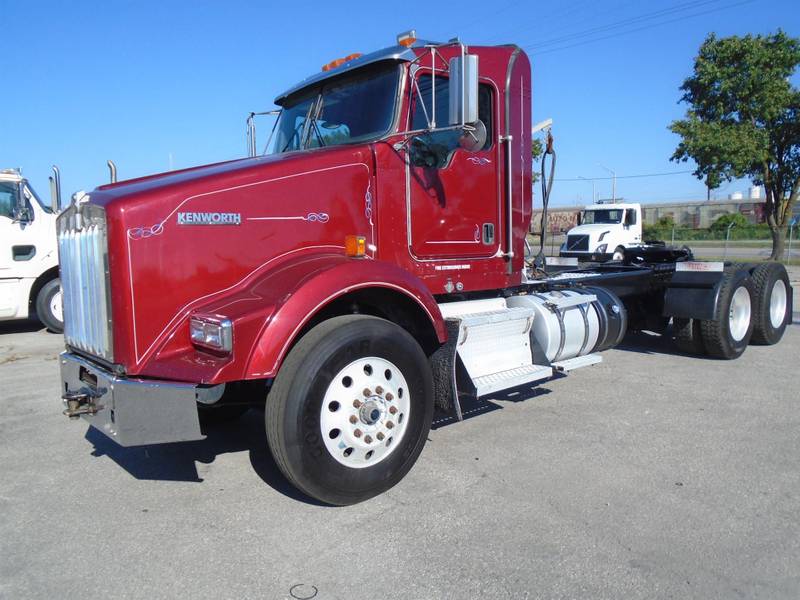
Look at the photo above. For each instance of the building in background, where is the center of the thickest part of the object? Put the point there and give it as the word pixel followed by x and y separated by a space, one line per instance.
pixel 693 214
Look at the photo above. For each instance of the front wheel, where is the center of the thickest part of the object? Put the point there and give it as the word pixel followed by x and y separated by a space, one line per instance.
pixel 619 253
pixel 350 409
pixel 50 307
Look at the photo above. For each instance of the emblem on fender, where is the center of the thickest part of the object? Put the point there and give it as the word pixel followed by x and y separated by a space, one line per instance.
pixel 209 218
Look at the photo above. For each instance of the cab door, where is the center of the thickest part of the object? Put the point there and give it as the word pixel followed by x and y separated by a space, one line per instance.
pixel 454 200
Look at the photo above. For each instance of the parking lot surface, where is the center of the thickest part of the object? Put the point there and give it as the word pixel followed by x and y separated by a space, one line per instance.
pixel 651 475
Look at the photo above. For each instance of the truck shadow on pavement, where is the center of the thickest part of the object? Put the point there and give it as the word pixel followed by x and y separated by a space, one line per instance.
pixel 23 326
pixel 178 462
pixel 472 407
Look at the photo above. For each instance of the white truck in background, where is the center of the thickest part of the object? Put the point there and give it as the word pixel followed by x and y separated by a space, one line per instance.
pixel 29 280
pixel 604 231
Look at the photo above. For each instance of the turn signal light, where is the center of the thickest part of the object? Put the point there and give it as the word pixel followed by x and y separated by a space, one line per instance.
pixel 355 245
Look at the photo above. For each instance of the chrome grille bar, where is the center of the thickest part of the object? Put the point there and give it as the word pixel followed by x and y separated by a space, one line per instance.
pixel 83 256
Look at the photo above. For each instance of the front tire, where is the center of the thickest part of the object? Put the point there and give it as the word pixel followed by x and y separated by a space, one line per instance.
pixel 49 306
pixel 771 310
pixel 350 409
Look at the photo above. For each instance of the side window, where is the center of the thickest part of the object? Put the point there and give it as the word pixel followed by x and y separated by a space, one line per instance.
pixel 631 217
pixel 449 139
pixel 8 199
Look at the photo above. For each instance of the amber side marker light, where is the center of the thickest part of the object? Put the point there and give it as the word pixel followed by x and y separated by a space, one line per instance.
pixel 355 245
pixel 407 38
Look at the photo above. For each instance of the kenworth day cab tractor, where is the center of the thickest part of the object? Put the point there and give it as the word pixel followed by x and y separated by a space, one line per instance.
pixel 370 268
pixel 29 285
pixel 604 231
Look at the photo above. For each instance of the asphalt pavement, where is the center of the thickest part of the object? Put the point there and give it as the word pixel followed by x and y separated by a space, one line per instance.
pixel 651 475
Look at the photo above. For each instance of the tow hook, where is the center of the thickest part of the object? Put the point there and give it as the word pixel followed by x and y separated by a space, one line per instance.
pixel 80 403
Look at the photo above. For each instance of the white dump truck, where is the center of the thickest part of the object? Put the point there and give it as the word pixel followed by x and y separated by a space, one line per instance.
pixel 29 281
pixel 604 231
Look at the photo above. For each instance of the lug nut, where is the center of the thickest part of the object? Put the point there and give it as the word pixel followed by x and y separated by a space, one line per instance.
pixel 367 393
pixel 393 409
pixel 389 396
pixel 357 433
pixel 353 419
pixel 368 439
pixel 389 424
pixel 379 390
pixel 380 436
pixel 357 403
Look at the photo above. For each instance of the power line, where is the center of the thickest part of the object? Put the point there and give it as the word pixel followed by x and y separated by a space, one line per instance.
pixel 678 8
pixel 625 176
pixel 649 26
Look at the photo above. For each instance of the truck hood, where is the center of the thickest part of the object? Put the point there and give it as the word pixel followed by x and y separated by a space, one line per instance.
pixel 181 241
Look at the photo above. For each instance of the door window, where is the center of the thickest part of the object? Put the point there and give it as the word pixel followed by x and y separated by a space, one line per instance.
pixel 8 198
pixel 446 142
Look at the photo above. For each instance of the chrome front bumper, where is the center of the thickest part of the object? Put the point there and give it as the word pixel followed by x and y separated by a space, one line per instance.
pixel 132 412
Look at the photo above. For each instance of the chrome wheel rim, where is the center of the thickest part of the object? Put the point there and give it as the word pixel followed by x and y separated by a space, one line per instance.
pixel 739 315
pixel 365 412
pixel 57 306
pixel 777 304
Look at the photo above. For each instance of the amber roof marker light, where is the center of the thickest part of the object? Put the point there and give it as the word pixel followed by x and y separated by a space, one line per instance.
pixel 407 38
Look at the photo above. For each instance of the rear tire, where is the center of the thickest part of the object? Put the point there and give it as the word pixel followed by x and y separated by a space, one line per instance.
pixel 328 399
pixel 49 306
pixel 771 310
pixel 687 336
pixel 729 333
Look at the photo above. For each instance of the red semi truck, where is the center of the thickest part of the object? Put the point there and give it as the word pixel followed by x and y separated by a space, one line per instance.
pixel 368 269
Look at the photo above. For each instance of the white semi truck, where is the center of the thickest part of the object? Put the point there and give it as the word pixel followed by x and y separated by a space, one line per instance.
pixel 604 231
pixel 29 281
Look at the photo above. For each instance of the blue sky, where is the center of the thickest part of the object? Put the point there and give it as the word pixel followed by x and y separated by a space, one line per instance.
pixel 139 82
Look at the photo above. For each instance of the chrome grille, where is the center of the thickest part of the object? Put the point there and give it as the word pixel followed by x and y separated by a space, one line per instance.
pixel 83 257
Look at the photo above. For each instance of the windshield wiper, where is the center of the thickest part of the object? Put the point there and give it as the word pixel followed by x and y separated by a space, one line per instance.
pixel 296 130
pixel 312 124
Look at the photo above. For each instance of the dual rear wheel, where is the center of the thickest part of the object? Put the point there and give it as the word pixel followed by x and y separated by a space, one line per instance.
pixel 749 310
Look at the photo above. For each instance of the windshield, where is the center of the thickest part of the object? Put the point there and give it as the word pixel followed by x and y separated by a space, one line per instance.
pixel 608 215
pixel 342 111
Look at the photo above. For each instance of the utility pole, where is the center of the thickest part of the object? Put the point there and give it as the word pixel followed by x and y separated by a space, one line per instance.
pixel 594 198
pixel 613 182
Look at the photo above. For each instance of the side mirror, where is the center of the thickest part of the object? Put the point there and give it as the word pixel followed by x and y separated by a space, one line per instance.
pixel 463 89
pixel 23 214
pixel 580 218
pixel 55 190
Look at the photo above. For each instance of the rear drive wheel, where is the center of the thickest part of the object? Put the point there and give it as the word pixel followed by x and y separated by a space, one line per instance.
pixel 729 333
pixel 50 307
pixel 687 336
pixel 771 303
pixel 350 409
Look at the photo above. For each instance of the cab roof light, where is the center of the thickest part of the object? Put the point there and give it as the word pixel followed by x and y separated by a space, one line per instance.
pixel 407 38
pixel 340 61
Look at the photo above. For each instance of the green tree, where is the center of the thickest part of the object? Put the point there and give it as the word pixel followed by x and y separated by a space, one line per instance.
pixel 743 120
pixel 537 148
pixel 724 221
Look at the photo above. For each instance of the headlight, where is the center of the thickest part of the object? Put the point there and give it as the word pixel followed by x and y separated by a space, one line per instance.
pixel 211 331
pixel 601 249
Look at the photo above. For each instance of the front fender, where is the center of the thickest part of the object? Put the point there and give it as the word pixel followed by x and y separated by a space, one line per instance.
pixel 333 277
